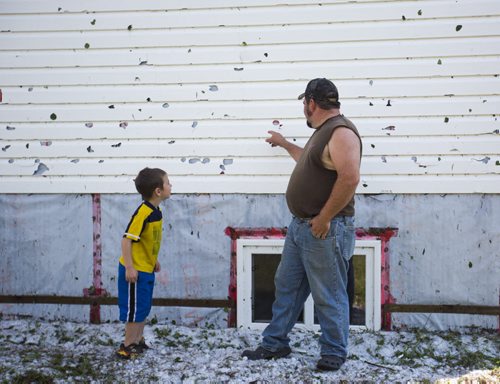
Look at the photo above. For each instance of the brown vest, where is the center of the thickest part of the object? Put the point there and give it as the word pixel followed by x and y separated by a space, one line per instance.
pixel 311 183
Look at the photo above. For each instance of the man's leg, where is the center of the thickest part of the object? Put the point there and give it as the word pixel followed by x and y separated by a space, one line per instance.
pixel 292 289
pixel 326 263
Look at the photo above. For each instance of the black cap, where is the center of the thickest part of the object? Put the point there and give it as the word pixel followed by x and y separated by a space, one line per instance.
pixel 321 90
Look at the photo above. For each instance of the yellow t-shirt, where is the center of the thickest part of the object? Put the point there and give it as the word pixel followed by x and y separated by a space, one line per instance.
pixel 144 229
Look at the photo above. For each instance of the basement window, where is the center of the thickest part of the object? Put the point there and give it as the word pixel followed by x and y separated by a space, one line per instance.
pixel 257 261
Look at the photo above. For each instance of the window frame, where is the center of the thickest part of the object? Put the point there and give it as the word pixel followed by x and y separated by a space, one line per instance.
pixel 245 247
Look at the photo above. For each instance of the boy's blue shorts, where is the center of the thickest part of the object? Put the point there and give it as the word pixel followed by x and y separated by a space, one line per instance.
pixel 135 299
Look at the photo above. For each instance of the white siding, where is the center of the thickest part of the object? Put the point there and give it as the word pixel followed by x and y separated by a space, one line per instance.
pixel 94 91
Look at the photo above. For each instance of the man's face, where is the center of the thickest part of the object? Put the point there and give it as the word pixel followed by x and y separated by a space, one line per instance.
pixel 307 111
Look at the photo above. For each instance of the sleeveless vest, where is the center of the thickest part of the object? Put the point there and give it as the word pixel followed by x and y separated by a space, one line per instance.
pixel 311 183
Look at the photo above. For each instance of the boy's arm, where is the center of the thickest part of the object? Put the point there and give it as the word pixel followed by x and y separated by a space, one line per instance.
pixel 157 266
pixel 131 272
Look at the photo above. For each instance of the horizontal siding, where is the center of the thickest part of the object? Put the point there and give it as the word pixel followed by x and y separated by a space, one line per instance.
pixel 247 13
pixel 255 184
pixel 255 36
pixel 93 91
pixel 255 128
pixel 242 166
pixel 78 6
pixel 353 89
pixel 243 110
pixel 242 147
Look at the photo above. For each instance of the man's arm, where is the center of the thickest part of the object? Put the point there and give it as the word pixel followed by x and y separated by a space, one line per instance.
pixel 345 149
pixel 277 140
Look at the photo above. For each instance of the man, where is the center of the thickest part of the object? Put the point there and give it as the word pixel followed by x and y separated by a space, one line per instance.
pixel 320 238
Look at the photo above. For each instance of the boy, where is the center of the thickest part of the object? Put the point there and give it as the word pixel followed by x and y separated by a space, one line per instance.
pixel 138 262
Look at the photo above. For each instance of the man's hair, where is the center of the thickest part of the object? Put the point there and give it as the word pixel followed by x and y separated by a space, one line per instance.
pixel 148 180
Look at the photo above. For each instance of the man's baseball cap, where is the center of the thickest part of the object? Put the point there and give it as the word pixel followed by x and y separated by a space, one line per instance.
pixel 321 89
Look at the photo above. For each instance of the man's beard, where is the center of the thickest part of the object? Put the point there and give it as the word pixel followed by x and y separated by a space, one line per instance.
pixel 308 115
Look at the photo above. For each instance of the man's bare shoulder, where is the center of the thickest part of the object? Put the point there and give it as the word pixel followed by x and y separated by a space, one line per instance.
pixel 343 134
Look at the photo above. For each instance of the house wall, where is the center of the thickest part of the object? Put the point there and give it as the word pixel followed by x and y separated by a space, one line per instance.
pixel 91 92
pixel 446 250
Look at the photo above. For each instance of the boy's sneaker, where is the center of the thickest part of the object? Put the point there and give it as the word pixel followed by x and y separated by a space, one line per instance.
pixel 129 352
pixel 142 346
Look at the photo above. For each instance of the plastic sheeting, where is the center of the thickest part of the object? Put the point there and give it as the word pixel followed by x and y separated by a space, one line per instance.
pixel 446 251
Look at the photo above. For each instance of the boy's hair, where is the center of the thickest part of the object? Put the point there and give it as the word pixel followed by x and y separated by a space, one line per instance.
pixel 148 180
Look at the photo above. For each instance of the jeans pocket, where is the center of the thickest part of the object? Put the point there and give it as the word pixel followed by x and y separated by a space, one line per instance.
pixel 329 236
pixel 349 239
pixel 345 238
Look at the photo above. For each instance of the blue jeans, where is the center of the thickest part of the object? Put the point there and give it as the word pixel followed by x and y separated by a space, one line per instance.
pixel 311 265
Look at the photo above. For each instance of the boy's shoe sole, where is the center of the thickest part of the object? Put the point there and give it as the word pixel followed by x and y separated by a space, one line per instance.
pixel 129 352
pixel 142 346
pixel 263 354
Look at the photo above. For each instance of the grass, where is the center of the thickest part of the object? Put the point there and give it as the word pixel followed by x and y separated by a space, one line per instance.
pixel 51 358
pixel 32 376
pixel 424 347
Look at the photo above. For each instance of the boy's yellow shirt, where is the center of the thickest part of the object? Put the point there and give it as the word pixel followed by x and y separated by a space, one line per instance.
pixel 145 231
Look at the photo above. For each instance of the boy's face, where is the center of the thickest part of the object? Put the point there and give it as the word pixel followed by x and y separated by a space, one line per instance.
pixel 166 190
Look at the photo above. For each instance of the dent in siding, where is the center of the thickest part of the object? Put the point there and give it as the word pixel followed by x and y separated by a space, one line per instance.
pixel 41 169
pixel 484 160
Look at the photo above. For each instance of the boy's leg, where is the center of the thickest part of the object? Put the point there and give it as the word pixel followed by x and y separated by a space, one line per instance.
pixel 140 332
pixel 145 288
pixel 133 333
